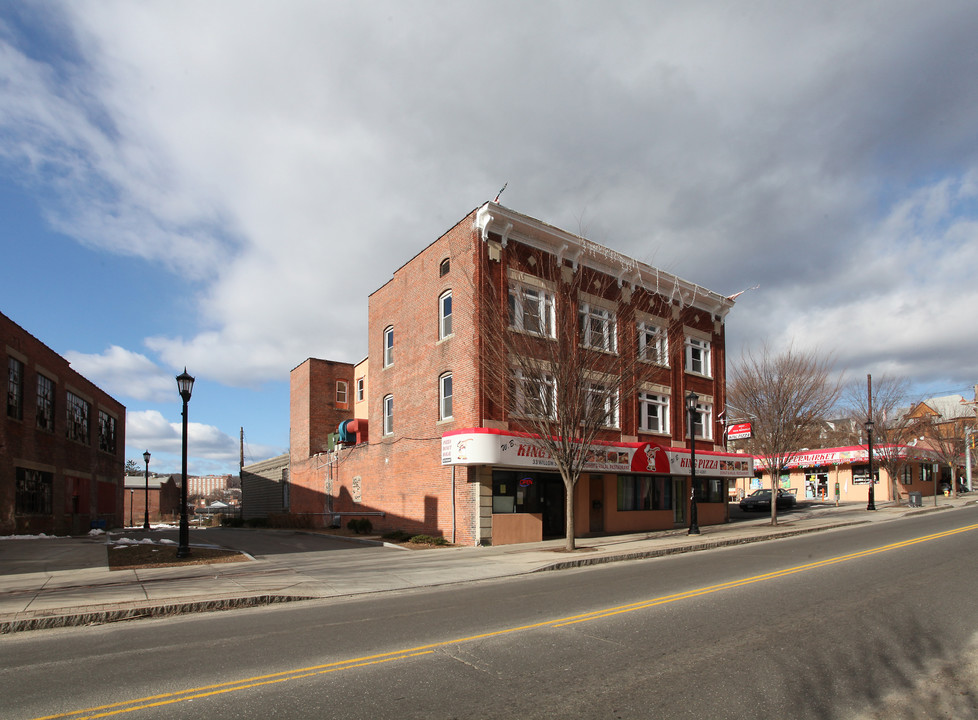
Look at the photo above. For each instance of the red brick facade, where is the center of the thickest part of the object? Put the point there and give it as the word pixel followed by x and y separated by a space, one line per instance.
pixel 62 443
pixel 398 478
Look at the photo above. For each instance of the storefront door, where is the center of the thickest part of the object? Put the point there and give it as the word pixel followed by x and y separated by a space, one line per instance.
pixel 552 500
pixel 679 500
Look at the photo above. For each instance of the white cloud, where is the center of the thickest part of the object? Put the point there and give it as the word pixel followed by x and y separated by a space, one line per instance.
pixel 125 374
pixel 208 445
pixel 290 158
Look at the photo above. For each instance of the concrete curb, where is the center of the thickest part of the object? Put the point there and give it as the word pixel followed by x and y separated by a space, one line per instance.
pixel 44 620
pixel 681 549
pixel 136 610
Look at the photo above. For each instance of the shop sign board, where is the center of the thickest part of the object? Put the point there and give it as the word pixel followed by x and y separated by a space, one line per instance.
pixel 482 447
pixel 739 431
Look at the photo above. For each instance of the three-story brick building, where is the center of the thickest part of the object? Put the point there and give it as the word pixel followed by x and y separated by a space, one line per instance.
pixel 428 436
pixel 62 443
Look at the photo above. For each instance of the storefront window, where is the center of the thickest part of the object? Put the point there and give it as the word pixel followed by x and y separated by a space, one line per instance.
pixel 644 492
pixel 710 490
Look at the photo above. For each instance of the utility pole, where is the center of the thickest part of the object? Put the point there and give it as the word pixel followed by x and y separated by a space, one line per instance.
pixel 241 458
pixel 871 504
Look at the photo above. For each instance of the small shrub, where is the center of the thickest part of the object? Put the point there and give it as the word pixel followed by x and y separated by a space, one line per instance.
pixel 361 526
pixel 234 522
pixel 290 520
pixel 397 536
pixel 429 540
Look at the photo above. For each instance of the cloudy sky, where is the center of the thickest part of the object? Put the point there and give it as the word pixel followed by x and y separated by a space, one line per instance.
pixel 220 184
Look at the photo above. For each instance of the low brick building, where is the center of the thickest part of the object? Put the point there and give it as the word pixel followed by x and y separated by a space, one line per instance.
pixel 421 436
pixel 162 492
pixel 62 443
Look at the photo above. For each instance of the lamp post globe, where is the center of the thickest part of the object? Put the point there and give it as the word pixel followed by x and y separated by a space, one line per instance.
pixel 692 399
pixel 146 496
pixel 185 384
pixel 871 504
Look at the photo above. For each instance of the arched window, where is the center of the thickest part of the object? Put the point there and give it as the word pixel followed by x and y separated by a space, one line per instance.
pixel 445 315
pixel 389 346
pixel 444 267
pixel 388 414
pixel 445 397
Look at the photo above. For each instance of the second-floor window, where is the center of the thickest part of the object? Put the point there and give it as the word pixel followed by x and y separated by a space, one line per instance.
pixel 389 346
pixel 445 315
pixel 341 392
pixel 703 421
pixel 45 403
pixel 445 397
pixel 388 414
pixel 653 413
pixel 359 389
pixel 597 327
pixel 698 356
pixel 531 310
pixel 78 412
pixel 15 389
pixel 533 394
pixel 603 399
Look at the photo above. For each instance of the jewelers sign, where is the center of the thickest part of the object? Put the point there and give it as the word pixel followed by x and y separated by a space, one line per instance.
pixel 496 447
pixel 739 431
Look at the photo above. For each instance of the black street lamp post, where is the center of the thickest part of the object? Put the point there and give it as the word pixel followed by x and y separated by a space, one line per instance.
pixel 691 401
pixel 871 505
pixel 146 497
pixel 185 383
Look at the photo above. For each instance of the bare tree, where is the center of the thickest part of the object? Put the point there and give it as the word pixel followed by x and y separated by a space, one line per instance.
pixel 892 426
pixel 946 437
pixel 787 397
pixel 564 366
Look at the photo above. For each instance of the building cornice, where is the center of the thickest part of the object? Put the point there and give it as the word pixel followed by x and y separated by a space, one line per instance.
pixel 511 225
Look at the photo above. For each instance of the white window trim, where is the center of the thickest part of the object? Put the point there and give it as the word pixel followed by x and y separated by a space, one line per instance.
pixel 704 418
pixel 360 389
pixel 546 304
pixel 663 400
pixel 388 349
pixel 346 392
pixel 659 327
pixel 588 311
pixel 441 397
pixel 444 319
pixel 610 397
pixel 543 379
pixel 388 416
pixel 706 349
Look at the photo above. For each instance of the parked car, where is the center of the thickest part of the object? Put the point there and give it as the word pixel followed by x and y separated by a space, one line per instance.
pixel 761 500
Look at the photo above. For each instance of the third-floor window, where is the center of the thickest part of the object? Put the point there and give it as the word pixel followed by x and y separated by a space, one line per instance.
pixel 597 327
pixel 698 356
pixel 531 310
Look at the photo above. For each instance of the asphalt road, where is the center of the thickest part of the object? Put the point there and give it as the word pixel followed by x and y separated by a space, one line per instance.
pixel 872 621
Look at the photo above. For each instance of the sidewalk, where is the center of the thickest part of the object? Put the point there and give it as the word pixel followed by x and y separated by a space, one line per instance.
pixel 62 582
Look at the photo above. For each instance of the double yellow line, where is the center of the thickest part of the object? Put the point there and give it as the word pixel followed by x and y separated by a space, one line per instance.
pixel 315 670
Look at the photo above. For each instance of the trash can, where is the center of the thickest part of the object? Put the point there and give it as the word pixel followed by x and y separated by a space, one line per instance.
pixel 915 499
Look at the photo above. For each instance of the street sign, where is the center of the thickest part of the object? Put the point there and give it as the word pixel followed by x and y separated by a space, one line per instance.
pixel 739 431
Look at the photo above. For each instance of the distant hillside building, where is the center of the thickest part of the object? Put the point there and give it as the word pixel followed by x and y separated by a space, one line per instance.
pixel 62 443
